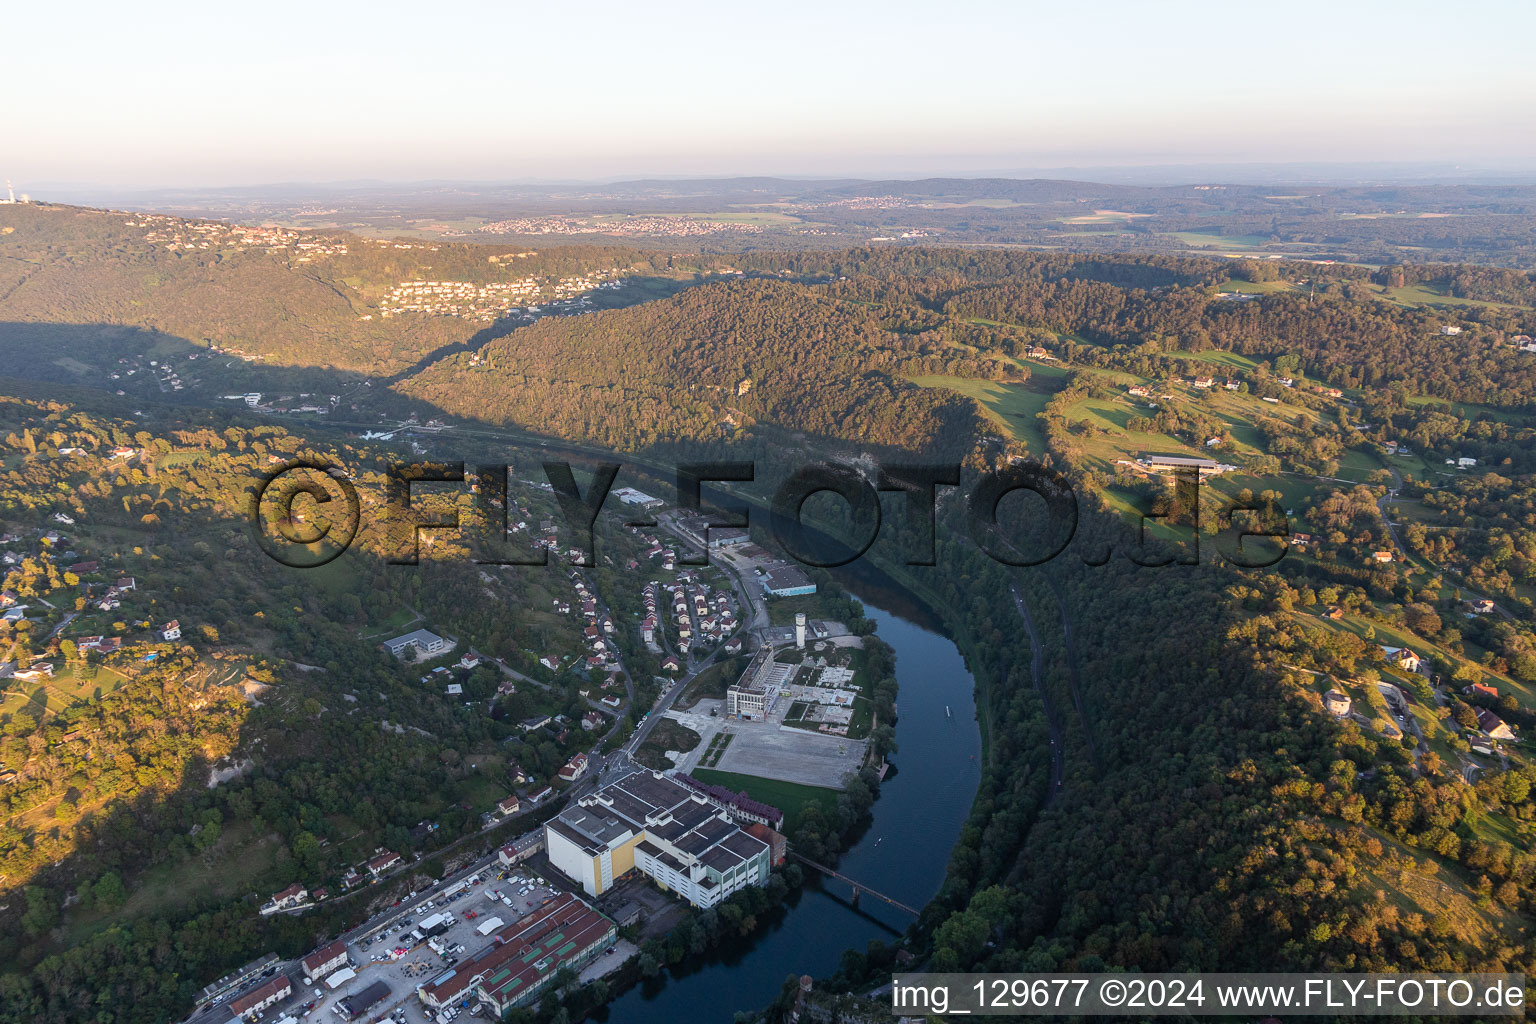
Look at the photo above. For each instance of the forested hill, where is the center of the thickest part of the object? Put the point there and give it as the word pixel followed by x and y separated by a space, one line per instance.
pixel 715 362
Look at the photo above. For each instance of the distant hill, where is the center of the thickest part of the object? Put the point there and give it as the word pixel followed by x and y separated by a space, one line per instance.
pixel 293 298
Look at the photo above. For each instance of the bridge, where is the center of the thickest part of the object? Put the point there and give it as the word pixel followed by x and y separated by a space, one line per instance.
pixel 858 887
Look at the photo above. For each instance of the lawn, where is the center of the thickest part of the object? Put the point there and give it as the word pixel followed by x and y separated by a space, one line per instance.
pixel 1424 295
pixel 1468 410
pixel 1231 359
pixel 820 605
pixel 1013 407
pixel 69 685
pixel 789 797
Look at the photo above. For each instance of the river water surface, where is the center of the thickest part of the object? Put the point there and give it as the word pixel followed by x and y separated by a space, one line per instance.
pixel 903 854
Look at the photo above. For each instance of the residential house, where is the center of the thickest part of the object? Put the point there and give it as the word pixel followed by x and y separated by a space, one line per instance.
pixel 383 862
pixel 1403 658
pixel 574 769
pixel 252 1003
pixel 1493 725
pixel 323 961
pixel 291 896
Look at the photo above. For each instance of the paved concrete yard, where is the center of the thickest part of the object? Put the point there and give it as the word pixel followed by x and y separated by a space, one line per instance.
pixel 769 751
pixel 702 722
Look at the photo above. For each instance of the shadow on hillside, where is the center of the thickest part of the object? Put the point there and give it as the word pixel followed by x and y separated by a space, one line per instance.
pixel 152 834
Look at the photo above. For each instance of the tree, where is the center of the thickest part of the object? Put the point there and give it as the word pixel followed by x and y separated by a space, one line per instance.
pixel 42 911
pixel 109 891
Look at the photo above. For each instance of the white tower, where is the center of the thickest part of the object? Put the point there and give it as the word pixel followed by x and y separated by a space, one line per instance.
pixel 800 630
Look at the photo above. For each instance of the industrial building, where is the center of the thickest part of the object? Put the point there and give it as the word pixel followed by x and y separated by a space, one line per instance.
pixel 1174 463
pixel 521 848
pixel 523 957
pixel 639 499
pixel 789 581
pixel 700 532
pixel 667 832
pixel 754 694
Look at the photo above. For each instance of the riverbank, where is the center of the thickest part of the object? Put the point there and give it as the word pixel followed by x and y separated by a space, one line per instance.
pixel 903 852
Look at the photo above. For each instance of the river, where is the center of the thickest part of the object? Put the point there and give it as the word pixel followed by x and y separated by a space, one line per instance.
pixel 903 854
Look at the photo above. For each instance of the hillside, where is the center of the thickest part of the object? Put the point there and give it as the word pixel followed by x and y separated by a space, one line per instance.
pixel 716 362
pixel 282 296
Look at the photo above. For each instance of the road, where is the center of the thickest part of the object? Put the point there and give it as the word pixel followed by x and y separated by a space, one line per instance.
pixel 62 624
pixel 758 622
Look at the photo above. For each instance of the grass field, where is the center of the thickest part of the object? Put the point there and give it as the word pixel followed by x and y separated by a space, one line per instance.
pixel 1424 295
pixel 789 797
pixel 1433 893
pixel 1257 287
pixel 1468 410
pixel 1231 359
pixel 1203 239
pixel 1013 407
pixel 69 685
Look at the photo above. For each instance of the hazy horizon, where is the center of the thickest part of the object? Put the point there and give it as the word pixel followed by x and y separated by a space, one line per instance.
pixel 205 98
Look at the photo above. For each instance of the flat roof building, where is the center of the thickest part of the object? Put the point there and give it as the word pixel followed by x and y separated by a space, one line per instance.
pixel 789 581
pixel 524 956
pixel 630 496
pixel 1173 463
pixel 755 693
pixel 423 640
pixel 669 833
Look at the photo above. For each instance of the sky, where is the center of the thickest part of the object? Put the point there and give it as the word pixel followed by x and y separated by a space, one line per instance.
pixel 177 94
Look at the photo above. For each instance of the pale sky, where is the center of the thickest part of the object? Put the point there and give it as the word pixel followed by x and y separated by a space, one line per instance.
pixel 182 93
